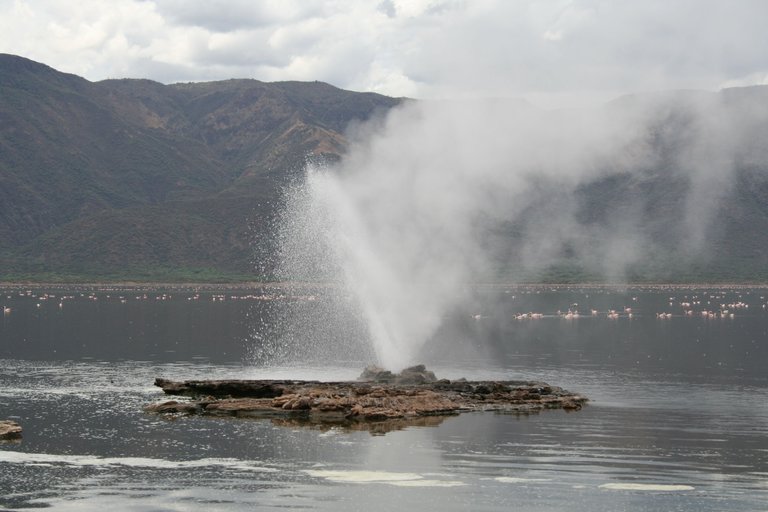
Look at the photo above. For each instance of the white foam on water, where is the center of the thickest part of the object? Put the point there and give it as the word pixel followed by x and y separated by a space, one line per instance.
pixel 518 480
pixel 381 477
pixel 427 483
pixel 625 486
pixel 363 476
pixel 47 459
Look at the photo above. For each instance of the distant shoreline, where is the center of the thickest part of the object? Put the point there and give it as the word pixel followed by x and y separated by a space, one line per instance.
pixel 250 285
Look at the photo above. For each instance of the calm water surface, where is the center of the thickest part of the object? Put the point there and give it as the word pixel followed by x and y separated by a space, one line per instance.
pixel 678 418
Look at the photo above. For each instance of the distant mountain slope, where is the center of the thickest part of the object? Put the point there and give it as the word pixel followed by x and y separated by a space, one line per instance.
pixel 135 179
pixel 119 175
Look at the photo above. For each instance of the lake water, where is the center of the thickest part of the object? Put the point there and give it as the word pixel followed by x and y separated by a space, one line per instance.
pixel 678 418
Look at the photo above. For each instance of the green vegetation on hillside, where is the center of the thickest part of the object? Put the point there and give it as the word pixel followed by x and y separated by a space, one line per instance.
pixel 133 180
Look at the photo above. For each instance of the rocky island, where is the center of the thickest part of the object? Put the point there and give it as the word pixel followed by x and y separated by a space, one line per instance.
pixel 377 398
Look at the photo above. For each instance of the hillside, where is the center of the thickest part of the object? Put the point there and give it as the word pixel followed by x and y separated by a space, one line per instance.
pixel 133 179
pixel 125 178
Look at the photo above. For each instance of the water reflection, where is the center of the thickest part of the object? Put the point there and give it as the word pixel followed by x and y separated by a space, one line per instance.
pixel 373 427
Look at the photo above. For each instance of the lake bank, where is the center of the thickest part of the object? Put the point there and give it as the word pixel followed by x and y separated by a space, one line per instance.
pixel 250 285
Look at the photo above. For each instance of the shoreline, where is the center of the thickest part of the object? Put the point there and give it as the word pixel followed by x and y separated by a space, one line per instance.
pixel 254 285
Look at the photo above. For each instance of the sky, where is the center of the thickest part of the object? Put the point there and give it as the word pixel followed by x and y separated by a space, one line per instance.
pixel 552 53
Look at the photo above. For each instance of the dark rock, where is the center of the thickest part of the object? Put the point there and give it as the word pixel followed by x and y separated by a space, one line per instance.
pixel 482 389
pixel 415 375
pixel 375 373
pixel 461 386
pixel 414 378
pixel 219 388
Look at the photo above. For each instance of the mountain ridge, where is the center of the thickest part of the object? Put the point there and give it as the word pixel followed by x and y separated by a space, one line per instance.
pixel 74 152
pixel 135 179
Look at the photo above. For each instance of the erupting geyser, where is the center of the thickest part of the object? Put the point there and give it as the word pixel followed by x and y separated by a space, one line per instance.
pixel 328 234
pixel 439 196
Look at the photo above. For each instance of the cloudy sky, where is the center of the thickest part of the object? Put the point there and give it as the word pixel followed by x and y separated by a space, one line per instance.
pixel 551 52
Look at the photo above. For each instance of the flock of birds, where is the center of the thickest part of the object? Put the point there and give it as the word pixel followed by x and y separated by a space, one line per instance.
pixel 709 308
pixel 42 298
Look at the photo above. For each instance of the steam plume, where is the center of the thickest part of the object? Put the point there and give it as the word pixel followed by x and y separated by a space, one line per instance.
pixel 441 195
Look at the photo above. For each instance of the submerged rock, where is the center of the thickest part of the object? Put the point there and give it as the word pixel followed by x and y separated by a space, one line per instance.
pixel 9 430
pixel 380 397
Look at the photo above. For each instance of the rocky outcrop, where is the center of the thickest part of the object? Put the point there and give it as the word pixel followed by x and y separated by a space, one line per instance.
pixel 378 397
pixel 414 375
pixel 231 388
pixel 9 430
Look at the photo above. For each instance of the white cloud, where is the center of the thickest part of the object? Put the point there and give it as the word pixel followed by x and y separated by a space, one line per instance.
pixel 230 15
pixel 550 51
pixel 758 78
